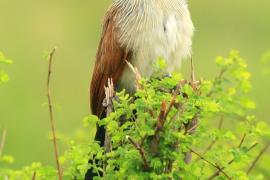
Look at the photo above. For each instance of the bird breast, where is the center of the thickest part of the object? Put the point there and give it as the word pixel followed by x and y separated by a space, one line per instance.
pixel 153 29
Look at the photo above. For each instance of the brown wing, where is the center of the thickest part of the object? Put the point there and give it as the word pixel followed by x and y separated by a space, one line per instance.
pixel 110 63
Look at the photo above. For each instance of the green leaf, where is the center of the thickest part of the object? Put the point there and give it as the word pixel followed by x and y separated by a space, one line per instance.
pixel 90 121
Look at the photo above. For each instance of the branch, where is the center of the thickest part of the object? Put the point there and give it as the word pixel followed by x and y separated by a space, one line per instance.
pixel 190 128
pixel 194 83
pixel 216 80
pixel 2 142
pixel 215 141
pixel 160 124
pixel 107 102
pixel 51 113
pixel 175 93
pixel 230 162
pixel 258 157
pixel 193 78
pixel 138 76
pixel 141 151
pixel 214 165
pixel 34 175
pixel 242 140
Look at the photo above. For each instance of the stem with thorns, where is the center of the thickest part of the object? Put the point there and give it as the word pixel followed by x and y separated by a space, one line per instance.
pixel 51 113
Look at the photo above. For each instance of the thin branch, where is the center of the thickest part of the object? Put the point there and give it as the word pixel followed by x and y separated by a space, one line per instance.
pixel 210 146
pixel 175 93
pixel 193 128
pixel 109 94
pixel 242 140
pixel 51 113
pixel 3 141
pixel 141 151
pixel 222 72
pixel 162 116
pixel 194 83
pixel 108 103
pixel 193 78
pixel 137 74
pixel 190 128
pixel 34 175
pixel 230 162
pixel 212 164
pixel 258 157
pixel 160 124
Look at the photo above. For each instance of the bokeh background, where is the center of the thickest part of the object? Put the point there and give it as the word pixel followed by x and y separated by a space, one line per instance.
pixel 29 27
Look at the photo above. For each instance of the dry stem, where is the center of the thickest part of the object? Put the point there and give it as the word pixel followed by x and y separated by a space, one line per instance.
pixel 258 157
pixel 136 73
pixel 109 94
pixel 34 175
pixel 51 114
pixel 3 140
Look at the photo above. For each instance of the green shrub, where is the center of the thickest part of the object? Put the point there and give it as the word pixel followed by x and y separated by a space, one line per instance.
pixel 171 129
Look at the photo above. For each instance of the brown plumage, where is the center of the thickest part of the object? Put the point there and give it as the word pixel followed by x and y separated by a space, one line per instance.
pixel 110 63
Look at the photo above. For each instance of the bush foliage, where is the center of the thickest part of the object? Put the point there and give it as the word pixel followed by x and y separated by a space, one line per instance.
pixel 171 128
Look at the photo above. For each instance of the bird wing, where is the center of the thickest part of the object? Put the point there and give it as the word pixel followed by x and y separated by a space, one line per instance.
pixel 110 63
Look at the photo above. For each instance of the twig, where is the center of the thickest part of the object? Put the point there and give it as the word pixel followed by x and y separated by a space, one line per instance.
pixel 137 74
pixel 3 140
pixel 141 151
pixel 216 81
pixel 190 128
pixel 51 113
pixel 194 83
pixel 107 102
pixel 160 124
pixel 162 116
pixel 209 162
pixel 193 128
pixel 175 93
pixel 242 140
pixel 258 157
pixel 109 94
pixel 214 141
pixel 193 78
pixel 34 175
pixel 230 162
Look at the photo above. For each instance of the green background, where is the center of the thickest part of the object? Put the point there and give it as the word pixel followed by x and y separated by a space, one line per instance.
pixel 29 27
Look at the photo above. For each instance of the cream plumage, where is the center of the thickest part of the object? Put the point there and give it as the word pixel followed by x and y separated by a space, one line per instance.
pixel 140 31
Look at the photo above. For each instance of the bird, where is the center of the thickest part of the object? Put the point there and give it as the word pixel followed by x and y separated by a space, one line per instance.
pixel 139 32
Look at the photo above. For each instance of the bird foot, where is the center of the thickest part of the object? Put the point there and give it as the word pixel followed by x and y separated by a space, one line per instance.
pixel 109 93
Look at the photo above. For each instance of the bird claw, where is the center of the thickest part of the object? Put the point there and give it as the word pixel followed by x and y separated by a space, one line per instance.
pixel 109 93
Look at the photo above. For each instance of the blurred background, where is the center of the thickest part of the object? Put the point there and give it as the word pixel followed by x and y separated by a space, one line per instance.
pixel 30 27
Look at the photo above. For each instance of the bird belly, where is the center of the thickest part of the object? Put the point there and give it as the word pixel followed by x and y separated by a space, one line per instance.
pixel 163 35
